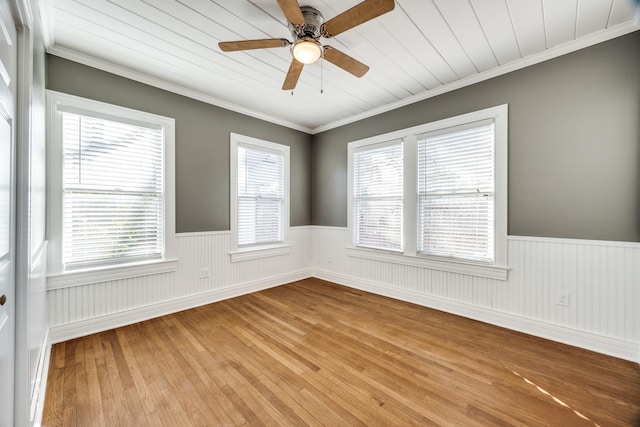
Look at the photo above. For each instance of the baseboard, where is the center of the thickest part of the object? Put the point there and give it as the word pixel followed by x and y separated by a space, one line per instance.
pixel 40 393
pixel 627 350
pixel 91 326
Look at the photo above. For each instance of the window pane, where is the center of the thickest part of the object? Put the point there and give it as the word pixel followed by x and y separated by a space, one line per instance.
pixel 378 191
pixel 459 226
pixel 260 195
pixel 456 188
pixel 113 192
pixel 379 223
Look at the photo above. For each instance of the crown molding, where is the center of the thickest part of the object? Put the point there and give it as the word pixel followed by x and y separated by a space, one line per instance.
pixel 131 74
pixel 545 55
pixel 566 48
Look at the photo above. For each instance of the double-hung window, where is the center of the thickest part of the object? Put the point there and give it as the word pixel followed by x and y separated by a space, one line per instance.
pixel 259 197
pixel 435 195
pixel 111 192
pixel 377 196
pixel 456 192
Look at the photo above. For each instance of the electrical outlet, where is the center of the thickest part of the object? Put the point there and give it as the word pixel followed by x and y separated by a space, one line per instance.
pixel 329 259
pixel 562 298
pixel 204 273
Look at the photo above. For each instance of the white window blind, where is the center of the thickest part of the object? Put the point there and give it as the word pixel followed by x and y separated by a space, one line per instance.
pixel 378 191
pixel 261 198
pixel 456 193
pixel 112 191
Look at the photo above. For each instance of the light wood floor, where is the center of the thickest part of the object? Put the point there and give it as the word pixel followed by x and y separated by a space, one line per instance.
pixel 315 353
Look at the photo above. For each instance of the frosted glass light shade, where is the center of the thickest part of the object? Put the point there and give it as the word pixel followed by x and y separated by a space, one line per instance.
pixel 307 51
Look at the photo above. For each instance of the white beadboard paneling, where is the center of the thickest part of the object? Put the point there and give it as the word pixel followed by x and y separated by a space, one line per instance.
pixel 621 11
pixel 601 277
pixel 496 22
pixel 466 27
pixel 428 18
pixel 592 16
pixel 94 304
pixel 528 22
pixel 559 20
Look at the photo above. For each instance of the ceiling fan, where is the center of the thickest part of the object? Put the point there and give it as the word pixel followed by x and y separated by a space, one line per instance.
pixel 307 26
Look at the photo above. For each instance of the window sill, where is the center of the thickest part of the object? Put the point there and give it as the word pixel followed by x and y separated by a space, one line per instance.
pixel 256 252
pixel 453 266
pixel 106 274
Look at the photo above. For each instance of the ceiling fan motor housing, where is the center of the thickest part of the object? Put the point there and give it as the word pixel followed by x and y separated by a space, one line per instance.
pixel 312 27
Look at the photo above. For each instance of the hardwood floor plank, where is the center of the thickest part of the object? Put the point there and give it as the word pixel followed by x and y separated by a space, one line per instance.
pixel 315 353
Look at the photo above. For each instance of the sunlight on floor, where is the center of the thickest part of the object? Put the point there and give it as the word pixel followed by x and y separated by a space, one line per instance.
pixel 560 402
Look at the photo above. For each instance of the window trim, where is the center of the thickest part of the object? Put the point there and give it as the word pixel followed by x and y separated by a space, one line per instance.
pixel 244 253
pixel 57 103
pixel 409 256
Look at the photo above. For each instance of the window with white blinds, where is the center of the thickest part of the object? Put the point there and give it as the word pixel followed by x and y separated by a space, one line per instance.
pixel 456 192
pixel 377 195
pixel 259 194
pixel 112 190
pixel 435 194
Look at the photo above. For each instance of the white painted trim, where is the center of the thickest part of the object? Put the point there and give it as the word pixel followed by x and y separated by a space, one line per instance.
pixel 46 23
pixel 42 250
pixel 566 48
pixel 58 102
pixel 259 252
pixel 633 245
pixel 23 14
pixel 301 227
pixel 46 362
pixel 454 266
pixel 498 115
pixel 235 141
pixel 105 274
pixel 627 350
pixel 98 324
pixel 128 73
pixel 20 222
pixel 223 232
pixel 329 227
pixel 203 233
pixel 37 399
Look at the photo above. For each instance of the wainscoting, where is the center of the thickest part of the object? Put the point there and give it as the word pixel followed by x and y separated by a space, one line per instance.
pixel 600 277
pixel 87 308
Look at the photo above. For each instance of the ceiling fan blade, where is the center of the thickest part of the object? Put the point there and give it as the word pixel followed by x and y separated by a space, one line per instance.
pixel 293 75
pixel 345 62
pixel 292 12
pixel 252 44
pixel 360 13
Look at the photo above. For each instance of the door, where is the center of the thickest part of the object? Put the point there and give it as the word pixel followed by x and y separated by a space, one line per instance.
pixel 8 61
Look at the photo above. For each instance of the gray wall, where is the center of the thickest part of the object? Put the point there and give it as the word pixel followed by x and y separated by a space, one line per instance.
pixel 202 143
pixel 574 144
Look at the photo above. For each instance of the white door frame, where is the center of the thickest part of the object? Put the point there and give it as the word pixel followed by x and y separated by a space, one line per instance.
pixel 23 17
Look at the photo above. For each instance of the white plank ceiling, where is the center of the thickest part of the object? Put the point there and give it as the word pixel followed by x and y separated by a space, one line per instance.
pixel 420 49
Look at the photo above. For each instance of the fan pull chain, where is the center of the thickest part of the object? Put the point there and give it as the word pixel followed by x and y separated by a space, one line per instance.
pixel 321 75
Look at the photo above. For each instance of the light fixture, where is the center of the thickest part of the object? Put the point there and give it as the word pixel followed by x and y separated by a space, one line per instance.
pixel 307 50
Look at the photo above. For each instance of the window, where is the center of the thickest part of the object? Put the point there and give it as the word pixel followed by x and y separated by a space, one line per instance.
pixel 260 197
pixel 455 192
pixel 434 194
pixel 111 195
pixel 377 195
